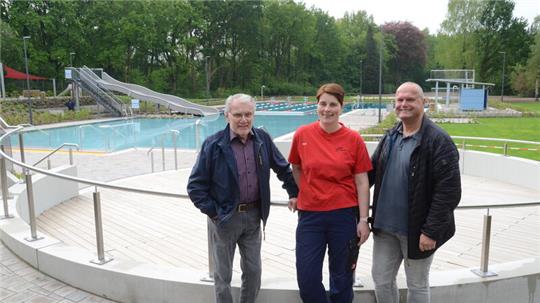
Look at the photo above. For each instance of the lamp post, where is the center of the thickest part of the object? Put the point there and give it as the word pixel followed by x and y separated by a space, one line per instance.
pixel 27 80
pixel 262 92
pixel 380 75
pixel 361 76
pixel 502 79
pixel 207 76
pixel 71 55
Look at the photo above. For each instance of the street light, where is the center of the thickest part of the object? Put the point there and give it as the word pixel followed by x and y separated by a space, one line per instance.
pixel 262 92
pixel 27 80
pixel 71 55
pixel 207 78
pixel 502 79
pixel 380 75
pixel 361 76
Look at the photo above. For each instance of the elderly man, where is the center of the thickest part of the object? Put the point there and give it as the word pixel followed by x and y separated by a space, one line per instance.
pixel 230 184
pixel 417 188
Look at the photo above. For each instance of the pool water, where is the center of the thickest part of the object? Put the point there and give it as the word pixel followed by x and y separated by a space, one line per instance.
pixel 146 132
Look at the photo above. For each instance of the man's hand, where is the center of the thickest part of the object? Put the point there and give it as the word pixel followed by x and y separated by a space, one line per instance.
pixel 362 231
pixel 426 243
pixel 292 204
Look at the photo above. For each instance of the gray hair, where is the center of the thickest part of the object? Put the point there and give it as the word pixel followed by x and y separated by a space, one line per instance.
pixel 417 87
pixel 241 97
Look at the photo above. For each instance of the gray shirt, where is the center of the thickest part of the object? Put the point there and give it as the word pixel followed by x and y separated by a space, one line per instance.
pixel 246 164
pixel 392 204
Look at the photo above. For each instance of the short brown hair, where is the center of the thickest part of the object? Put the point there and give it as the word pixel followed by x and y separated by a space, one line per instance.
pixel 333 89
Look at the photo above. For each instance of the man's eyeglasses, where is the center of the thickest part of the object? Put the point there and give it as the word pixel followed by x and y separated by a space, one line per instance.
pixel 239 116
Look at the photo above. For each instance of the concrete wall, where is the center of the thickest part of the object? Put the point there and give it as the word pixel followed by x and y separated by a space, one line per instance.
pixel 48 191
pixel 512 170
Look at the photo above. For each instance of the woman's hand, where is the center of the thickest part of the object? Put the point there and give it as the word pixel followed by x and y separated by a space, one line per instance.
pixel 292 204
pixel 362 231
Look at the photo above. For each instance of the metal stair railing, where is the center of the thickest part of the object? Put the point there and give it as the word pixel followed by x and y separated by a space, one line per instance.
pixel 96 81
pixel 94 91
pixel 90 82
pixel 109 97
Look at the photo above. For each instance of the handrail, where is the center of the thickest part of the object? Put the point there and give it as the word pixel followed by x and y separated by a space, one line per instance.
pixel 57 149
pixel 171 194
pixel 34 128
pixel 93 80
pixel 82 180
pixel 469 138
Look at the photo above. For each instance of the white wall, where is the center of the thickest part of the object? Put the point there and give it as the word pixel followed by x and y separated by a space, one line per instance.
pixel 512 170
pixel 48 191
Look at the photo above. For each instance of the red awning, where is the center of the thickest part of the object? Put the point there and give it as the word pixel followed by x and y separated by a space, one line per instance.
pixel 13 74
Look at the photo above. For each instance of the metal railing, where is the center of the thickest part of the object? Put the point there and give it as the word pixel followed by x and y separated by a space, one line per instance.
pixel 483 271
pixel 162 137
pixel 70 145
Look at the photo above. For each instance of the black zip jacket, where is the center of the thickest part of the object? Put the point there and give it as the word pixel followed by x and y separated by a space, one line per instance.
pixel 434 185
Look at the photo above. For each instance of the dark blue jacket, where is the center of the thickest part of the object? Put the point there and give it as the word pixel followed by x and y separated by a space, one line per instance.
pixel 434 185
pixel 213 183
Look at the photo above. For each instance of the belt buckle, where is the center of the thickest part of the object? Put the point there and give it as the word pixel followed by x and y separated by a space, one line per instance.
pixel 242 208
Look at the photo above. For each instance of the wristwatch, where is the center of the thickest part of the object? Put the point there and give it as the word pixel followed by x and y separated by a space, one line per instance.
pixel 364 219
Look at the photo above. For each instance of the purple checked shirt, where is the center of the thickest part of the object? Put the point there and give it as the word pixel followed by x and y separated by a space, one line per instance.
pixel 246 165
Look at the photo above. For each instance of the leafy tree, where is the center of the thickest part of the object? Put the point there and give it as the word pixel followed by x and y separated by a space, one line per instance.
pixel 500 32
pixel 410 59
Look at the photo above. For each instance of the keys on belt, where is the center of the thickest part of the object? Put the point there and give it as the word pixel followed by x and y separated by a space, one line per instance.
pixel 245 207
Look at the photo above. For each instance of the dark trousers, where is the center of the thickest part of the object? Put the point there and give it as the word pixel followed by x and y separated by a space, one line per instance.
pixel 315 231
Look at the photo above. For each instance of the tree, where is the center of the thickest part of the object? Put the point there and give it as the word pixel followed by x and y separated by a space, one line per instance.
pixel 524 77
pixel 500 32
pixel 410 59
pixel 354 28
pixel 456 40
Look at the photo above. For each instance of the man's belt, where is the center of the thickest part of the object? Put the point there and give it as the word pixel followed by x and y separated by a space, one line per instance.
pixel 245 207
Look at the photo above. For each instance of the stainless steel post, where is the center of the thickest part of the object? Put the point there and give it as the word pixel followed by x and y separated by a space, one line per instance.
pixel 49 165
pixel 463 157
pixel 484 258
pixel 99 231
pixel 505 149
pixel 152 161
pixel 70 156
pixel 31 209
pixel 163 152
pixel 175 141
pixel 5 189
pixel 197 134
pixel 21 147
pixel 210 276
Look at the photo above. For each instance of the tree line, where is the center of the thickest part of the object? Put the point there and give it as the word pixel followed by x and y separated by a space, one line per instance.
pixel 185 47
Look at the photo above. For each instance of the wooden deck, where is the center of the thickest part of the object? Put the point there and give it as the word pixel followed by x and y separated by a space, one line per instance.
pixel 172 231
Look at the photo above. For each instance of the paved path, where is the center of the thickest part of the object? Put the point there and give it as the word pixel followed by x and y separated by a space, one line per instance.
pixel 19 282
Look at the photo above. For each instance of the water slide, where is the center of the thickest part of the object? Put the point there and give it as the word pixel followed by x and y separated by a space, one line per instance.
pixel 175 103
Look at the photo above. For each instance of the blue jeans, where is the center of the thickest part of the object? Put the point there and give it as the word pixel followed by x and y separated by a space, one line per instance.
pixel 389 250
pixel 243 229
pixel 315 231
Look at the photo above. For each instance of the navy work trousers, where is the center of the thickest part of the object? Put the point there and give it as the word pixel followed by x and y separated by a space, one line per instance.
pixel 315 231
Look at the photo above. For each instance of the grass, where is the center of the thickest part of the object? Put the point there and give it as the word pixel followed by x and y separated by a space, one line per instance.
pixel 523 128
pixel 515 128
pixel 527 108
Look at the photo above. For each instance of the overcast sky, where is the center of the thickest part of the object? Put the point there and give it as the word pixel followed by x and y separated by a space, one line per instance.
pixel 421 13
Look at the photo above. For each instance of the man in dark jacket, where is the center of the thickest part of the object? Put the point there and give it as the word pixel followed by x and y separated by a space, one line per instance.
pixel 230 183
pixel 417 188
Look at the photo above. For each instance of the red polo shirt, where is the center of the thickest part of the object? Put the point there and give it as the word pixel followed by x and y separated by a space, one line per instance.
pixel 329 163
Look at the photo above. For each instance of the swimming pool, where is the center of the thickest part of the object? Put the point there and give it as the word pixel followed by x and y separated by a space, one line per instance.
pixel 147 132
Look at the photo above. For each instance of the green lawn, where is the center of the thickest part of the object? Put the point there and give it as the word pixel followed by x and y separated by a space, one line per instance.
pixel 528 108
pixel 524 128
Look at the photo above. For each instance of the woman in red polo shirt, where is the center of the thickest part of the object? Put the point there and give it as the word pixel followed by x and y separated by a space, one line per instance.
pixel 330 164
